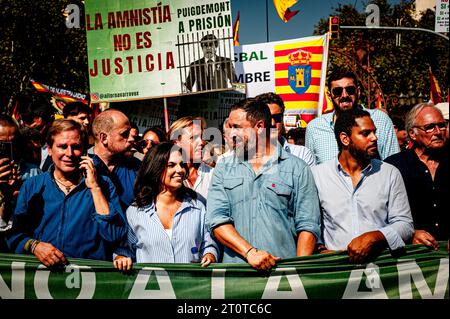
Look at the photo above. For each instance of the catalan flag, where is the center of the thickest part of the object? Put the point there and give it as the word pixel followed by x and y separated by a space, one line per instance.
pixel 282 7
pixel 299 67
pixel 236 31
pixel 435 90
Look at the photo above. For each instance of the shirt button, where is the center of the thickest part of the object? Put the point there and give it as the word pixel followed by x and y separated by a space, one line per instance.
pixel 434 205
pixel 426 171
pixel 436 224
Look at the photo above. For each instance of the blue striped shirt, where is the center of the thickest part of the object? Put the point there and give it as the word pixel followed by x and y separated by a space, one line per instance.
pixel 321 141
pixel 148 242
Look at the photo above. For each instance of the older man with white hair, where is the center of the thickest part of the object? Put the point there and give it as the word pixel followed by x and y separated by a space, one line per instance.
pixel 425 170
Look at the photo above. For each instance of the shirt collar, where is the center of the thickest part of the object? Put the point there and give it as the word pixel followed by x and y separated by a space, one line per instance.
pixel 188 202
pixel 365 171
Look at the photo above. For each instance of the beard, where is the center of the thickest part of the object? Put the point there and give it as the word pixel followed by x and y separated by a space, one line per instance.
pixel 361 155
pixel 337 106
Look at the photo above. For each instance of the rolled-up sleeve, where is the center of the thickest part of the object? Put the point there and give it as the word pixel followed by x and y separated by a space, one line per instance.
pixel 307 208
pixel 400 228
pixel 209 245
pixel 218 210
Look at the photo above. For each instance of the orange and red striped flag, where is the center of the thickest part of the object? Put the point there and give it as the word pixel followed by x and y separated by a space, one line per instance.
pixel 299 67
pixel 435 90
pixel 282 7
pixel 236 31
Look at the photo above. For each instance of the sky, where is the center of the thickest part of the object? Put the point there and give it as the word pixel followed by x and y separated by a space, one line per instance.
pixel 253 18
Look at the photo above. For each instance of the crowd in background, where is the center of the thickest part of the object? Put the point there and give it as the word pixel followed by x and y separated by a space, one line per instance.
pixel 354 179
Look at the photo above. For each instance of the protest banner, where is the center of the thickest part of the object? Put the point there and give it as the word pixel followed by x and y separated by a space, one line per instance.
pixel 442 18
pixel 295 69
pixel 420 273
pixel 139 49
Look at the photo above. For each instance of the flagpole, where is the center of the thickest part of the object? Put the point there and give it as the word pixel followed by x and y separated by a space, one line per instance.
pixel 267 20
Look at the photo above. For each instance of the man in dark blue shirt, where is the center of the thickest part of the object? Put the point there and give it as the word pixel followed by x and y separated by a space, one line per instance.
pixel 425 170
pixel 112 153
pixel 69 211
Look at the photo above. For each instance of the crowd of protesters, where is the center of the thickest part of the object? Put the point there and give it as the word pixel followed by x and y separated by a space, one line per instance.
pixel 355 180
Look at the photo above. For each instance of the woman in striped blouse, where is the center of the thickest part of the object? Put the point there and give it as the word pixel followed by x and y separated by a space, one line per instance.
pixel 166 222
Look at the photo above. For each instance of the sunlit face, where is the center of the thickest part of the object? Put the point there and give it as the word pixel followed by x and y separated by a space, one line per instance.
pixel 191 141
pixel 344 94
pixel 175 172
pixel 120 141
pixel 277 117
pixel 434 139
pixel 66 151
pixel 363 140
pixel 82 118
pixel 243 133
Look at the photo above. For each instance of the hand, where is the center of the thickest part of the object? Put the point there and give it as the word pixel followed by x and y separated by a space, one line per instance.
pixel 87 166
pixel 49 255
pixel 6 167
pixel 207 259
pixel 425 238
pixel 362 246
pixel 261 259
pixel 123 263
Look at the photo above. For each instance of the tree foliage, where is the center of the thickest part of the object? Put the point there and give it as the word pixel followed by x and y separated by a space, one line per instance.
pixel 398 69
pixel 35 43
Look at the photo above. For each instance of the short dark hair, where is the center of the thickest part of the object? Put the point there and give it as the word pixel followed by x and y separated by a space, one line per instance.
pixel 256 111
pixel 346 121
pixel 75 108
pixel 340 74
pixel 297 134
pixel 148 182
pixel 6 120
pixel 162 136
pixel 271 98
pixel 208 39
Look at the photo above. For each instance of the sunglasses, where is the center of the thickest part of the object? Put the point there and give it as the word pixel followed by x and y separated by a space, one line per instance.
pixel 337 91
pixel 145 143
pixel 278 117
pixel 430 127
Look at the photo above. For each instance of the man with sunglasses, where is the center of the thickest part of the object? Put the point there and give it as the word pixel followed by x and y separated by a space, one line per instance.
pixel 425 170
pixel 344 92
pixel 276 106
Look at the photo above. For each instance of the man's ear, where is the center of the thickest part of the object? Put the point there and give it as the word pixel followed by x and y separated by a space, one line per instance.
pixel 412 134
pixel 345 139
pixel 103 138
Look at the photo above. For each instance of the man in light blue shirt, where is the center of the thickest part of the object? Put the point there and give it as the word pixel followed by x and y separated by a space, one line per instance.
pixel 262 202
pixel 344 93
pixel 363 200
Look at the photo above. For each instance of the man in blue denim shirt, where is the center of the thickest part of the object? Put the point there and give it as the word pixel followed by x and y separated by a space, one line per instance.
pixel 262 202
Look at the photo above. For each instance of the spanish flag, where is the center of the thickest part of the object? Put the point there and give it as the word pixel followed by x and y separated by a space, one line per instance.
pixel 236 31
pixel 283 6
pixel 435 90
pixel 379 103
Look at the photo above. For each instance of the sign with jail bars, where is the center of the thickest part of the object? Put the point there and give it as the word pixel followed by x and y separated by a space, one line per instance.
pixel 205 61
pixel 140 49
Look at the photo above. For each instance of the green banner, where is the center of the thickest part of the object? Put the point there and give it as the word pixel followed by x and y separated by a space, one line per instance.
pixel 418 274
